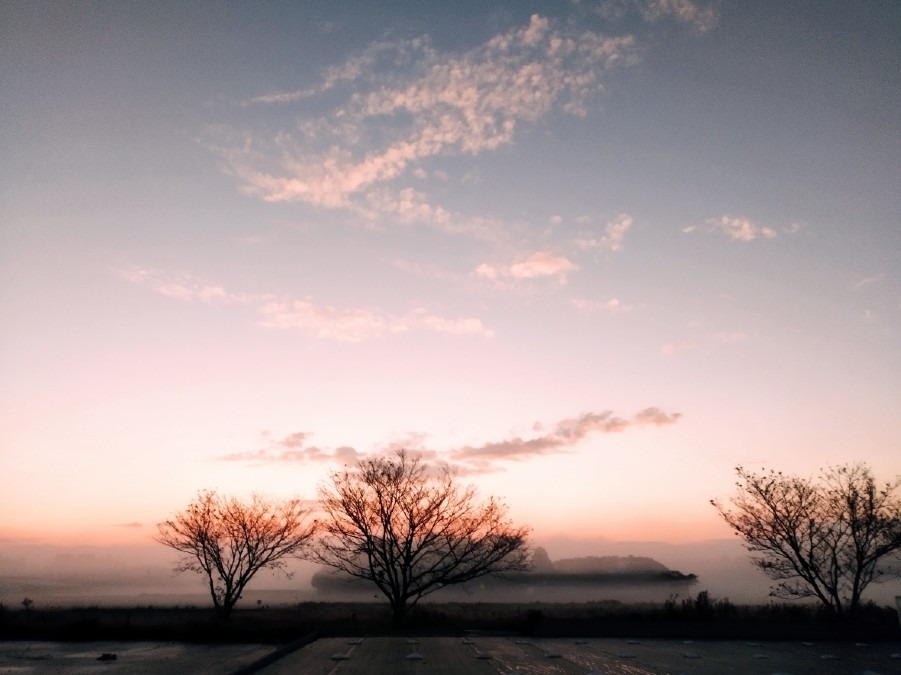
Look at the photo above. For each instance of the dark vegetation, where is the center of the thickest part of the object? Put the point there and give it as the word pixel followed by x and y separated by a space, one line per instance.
pixel 827 537
pixel 228 541
pixel 411 530
pixel 698 617
pixel 588 571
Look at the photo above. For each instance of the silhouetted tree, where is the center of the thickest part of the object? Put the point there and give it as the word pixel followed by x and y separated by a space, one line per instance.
pixel 819 538
pixel 229 540
pixel 412 531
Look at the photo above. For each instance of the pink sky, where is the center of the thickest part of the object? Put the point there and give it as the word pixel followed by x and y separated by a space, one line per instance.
pixel 593 254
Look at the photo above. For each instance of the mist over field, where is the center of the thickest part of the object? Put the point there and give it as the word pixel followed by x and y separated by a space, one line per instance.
pixel 141 575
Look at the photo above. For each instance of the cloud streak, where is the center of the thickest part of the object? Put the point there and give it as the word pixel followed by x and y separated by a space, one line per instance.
pixel 565 435
pixel 612 238
pixel 426 104
pixel 738 228
pixel 700 16
pixel 468 459
pixel 540 264
pixel 315 320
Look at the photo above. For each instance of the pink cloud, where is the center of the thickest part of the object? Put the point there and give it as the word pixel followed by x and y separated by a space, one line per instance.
pixel 325 322
pixel 738 228
pixel 612 239
pixel 536 265
pixel 466 103
pixel 565 435
pixel 468 459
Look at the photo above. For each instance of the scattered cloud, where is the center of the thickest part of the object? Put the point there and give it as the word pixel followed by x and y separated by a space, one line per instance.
pixel 737 228
pixel 185 287
pixel 426 104
pixel 741 229
pixel 537 265
pixel 702 16
pixel 565 435
pixel 131 526
pixel 613 305
pixel 612 239
pixel 412 207
pixel 866 281
pixel 708 340
pixel 320 321
pixel 358 324
pixel 293 448
pixel 468 459
pixel 675 347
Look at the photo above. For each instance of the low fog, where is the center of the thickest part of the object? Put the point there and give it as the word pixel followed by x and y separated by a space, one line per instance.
pixel 142 575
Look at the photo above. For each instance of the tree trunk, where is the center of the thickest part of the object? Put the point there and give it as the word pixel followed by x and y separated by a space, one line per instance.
pixel 398 612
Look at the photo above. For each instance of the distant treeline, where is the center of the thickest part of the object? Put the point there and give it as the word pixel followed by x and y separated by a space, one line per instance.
pixel 587 571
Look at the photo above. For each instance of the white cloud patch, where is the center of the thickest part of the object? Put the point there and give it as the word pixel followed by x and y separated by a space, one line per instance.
pixel 563 437
pixel 426 104
pixel 612 306
pixel 315 320
pixel 737 228
pixel 468 459
pixel 709 340
pixel 702 16
pixel 612 238
pixel 540 264
pixel 294 448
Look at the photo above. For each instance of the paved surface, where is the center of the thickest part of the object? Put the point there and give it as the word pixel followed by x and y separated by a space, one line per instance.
pixel 161 658
pixel 455 656
pixel 510 656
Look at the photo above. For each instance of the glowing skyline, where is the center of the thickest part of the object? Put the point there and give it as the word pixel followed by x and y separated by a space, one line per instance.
pixel 595 254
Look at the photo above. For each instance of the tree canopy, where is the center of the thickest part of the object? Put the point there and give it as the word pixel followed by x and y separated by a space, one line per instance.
pixel 412 530
pixel 821 537
pixel 229 540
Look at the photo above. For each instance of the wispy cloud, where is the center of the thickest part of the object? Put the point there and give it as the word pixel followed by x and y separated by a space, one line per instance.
pixel 737 228
pixel 293 448
pixel 612 238
pixel 613 305
pixel 468 459
pixel 536 265
pixel 427 104
pixel 709 340
pixel 671 348
pixel 186 287
pixel 702 16
pixel 566 434
pixel 321 321
pixel 409 206
pixel 866 281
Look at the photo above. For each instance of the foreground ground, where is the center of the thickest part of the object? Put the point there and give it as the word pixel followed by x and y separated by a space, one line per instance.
pixel 509 655
pixel 486 655
pixel 690 620
pixel 171 658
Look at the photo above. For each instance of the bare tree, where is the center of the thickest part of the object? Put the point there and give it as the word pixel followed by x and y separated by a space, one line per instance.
pixel 819 538
pixel 412 531
pixel 229 540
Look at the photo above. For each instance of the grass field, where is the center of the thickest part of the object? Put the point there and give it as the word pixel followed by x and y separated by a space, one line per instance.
pixel 689 619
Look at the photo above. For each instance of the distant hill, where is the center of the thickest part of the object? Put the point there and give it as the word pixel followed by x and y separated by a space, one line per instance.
pixel 608 564
pixel 587 570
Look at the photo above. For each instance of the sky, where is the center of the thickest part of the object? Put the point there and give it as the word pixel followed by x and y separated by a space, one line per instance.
pixel 593 254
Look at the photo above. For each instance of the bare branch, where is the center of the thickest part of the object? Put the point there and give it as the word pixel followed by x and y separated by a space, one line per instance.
pixel 229 541
pixel 818 538
pixel 412 531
